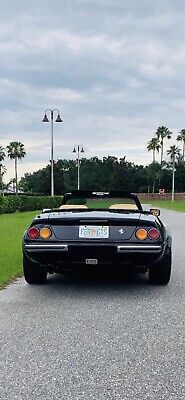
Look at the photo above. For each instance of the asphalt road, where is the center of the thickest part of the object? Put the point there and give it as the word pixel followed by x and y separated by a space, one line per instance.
pixel 98 338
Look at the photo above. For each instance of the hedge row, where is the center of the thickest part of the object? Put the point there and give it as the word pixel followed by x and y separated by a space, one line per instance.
pixel 10 204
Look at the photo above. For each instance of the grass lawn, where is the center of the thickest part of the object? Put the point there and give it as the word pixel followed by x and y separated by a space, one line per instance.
pixel 12 227
pixel 102 203
pixel 177 205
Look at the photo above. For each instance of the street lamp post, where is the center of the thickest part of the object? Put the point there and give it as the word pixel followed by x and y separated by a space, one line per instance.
pixel 58 119
pixel 79 150
pixel 173 179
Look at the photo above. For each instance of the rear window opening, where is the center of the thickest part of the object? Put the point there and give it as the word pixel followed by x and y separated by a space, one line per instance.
pixel 101 203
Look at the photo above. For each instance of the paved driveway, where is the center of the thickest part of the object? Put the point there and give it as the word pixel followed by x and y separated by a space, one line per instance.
pixel 96 339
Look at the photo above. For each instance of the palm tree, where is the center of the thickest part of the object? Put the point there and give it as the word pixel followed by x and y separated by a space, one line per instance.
pixel 2 172
pixel 153 171
pixel 173 152
pixel 181 137
pixel 2 154
pixel 2 167
pixel 16 151
pixel 9 184
pixel 153 145
pixel 162 133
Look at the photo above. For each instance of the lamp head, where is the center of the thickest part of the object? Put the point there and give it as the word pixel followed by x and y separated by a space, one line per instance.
pixel 45 119
pixel 58 119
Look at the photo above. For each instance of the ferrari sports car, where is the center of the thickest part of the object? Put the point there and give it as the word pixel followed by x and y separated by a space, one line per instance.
pixel 97 230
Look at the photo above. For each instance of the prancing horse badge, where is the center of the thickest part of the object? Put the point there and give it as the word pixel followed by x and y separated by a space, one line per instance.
pixel 121 231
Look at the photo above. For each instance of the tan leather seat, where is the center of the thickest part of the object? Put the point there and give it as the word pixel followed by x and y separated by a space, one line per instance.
pixel 124 206
pixel 71 206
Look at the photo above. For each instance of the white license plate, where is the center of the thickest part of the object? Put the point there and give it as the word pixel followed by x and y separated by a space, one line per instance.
pixel 93 232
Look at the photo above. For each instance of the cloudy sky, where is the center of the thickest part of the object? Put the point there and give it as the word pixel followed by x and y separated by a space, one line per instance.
pixel 114 68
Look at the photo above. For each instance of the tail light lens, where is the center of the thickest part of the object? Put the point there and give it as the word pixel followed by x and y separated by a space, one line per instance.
pixel 45 233
pixel 141 234
pixel 33 233
pixel 153 233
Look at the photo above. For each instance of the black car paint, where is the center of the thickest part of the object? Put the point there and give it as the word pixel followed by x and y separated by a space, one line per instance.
pixel 65 225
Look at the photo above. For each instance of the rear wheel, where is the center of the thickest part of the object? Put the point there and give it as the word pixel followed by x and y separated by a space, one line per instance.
pixel 33 273
pixel 160 272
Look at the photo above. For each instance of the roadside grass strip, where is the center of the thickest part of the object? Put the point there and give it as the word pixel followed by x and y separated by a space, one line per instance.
pixel 12 227
pixel 177 205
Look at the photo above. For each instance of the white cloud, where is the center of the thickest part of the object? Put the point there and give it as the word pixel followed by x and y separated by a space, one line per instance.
pixel 115 70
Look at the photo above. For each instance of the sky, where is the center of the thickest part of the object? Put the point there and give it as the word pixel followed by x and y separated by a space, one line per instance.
pixel 115 69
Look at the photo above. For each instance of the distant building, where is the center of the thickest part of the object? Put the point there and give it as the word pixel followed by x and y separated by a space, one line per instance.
pixel 7 191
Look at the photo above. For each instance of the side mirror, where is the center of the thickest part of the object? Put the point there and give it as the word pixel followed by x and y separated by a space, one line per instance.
pixel 46 210
pixel 155 212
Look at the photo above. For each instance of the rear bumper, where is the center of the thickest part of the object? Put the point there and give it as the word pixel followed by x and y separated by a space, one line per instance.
pixel 68 254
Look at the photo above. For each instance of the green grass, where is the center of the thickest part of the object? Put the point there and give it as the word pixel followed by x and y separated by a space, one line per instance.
pixel 101 203
pixel 177 205
pixel 12 227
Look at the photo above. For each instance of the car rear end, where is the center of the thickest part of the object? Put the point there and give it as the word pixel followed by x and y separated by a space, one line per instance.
pixel 66 240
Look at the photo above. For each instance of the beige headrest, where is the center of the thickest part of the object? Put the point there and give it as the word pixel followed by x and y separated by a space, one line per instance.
pixel 71 206
pixel 124 206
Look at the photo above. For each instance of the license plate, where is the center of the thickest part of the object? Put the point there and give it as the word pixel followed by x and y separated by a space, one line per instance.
pixel 93 232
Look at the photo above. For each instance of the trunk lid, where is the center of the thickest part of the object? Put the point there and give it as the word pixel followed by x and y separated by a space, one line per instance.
pixel 121 226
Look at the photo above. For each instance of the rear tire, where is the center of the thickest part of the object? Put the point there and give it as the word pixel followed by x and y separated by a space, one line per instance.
pixel 160 272
pixel 33 273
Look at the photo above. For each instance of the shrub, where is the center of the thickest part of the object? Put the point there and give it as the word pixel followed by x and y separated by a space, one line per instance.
pixel 3 204
pixel 10 204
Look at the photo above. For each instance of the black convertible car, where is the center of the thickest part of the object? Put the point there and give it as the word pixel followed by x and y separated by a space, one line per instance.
pixel 97 230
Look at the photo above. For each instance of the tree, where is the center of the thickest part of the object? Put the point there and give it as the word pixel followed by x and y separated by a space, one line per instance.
pixel 153 145
pixel 181 137
pixel 153 174
pixel 39 182
pixel 162 133
pixel 180 175
pixel 2 167
pixel 16 151
pixel 2 172
pixel 2 154
pixel 173 152
pixel 104 175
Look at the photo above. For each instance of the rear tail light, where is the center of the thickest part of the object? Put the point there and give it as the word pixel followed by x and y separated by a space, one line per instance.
pixel 141 234
pixel 33 233
pixel 45 233
pixel 153 233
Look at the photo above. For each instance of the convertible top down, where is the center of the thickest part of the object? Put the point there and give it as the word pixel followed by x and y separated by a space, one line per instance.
pixel 97 230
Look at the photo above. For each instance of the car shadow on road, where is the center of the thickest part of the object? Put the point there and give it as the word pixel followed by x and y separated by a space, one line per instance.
pixel 89 286
pixel 98 282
